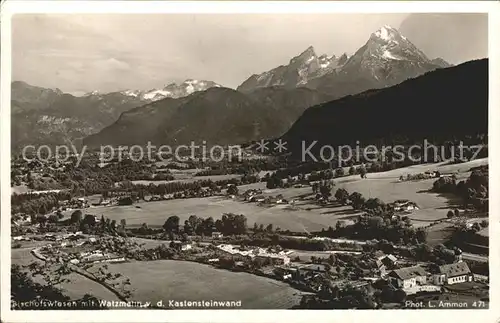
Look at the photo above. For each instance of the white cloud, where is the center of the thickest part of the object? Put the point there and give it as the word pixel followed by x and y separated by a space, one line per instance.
pixel 114 52
pixel 111 64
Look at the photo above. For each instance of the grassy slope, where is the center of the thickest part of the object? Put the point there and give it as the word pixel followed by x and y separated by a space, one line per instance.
pixel 179 280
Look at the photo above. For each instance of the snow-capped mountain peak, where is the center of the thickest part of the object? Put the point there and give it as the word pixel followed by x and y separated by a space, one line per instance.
pixel 386 58
pixel 388 33
pixel 95 92
pixel 134 93
pixel 388 43
pixel 389 57
pixel 172 90
pixel 300 70
pixel 306 56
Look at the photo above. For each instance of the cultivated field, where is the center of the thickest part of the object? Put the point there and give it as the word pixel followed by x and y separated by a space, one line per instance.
pixel 156 213
pixel 188 178
pixel 306 215
pixel 181 280
pixel 386 186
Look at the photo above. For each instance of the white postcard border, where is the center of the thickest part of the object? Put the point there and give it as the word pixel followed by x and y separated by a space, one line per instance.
pixel 16 7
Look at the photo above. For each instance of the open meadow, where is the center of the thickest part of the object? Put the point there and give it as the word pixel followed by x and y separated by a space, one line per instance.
pixel 182 280
pixel 188 178
pixel 156 213
pixel 306 215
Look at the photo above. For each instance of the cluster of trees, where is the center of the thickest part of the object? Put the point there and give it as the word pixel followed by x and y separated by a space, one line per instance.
pixel 324 188
pixel 33 204
pixel 377 222
pixel 361 170
pixel 236 166
pixel 212 172
pixel 90 177
pixel 373 206
pixel 41 183
pixel 318 172
pixel 333 297
pixel 26 294
pixel 274 181
pixel 453 213
pixel 473 191
pixel 300 169
pixel 88 223
pixel 232 190
pixel 327 174
pixel 229 224
pixel 467 236
pixel 259 228
pixel 247 178
pixel 173 165
pixel 419 176
pixel 159 252
pixel 377 227
pixel 342 196
pixel 294 243
pixel 367 227
pixel 188 188
pixel 438 255
pixel 163 176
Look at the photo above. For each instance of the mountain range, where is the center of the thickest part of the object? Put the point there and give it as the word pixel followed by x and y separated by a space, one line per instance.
pixel 47 116
pixel 300 70
pixel 387 58
pixel 218 116
pixel 439 106
pixel 172 90
pixel 264 105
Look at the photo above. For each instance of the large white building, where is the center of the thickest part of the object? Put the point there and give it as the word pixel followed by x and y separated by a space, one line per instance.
pixel 454 273
pixel 408 277
pixel 280 258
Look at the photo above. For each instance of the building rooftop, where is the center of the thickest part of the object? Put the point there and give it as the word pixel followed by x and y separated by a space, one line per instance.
pixel 409 272
pixel 454 270
pixel 390 257
pixel 251 253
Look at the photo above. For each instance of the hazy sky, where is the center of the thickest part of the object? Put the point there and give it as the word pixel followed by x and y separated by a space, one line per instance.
pixel 82 53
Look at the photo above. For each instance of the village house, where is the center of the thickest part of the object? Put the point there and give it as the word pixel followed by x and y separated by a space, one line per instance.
pixel 217 235
pixel 408 277
pixel 251 192
pixel 21 219
pixel 389 261
pixel 404 206
pixel 279 258
pixel 284 273
pixel 100 202
pixel 97 256
pixel 21 238
pixel 481 278
pixel 79 203
pixel 281 200
pixel 454 273
pixel 311 270
pixel 256 198
pixel 275 258
pixel 430 174
pixel 234 253
pixel 181 246
pixel 382 269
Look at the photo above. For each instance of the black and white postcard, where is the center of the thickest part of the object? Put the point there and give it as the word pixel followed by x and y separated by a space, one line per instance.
pixel 219 156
